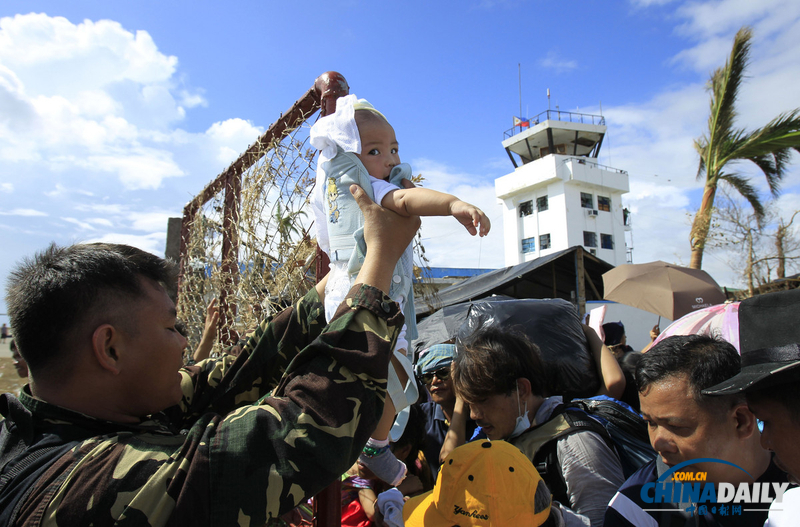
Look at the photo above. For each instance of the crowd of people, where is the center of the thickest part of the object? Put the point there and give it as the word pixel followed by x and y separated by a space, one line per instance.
pixel 120 423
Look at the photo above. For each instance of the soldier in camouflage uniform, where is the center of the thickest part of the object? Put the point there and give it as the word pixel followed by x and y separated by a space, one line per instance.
pixel 97 438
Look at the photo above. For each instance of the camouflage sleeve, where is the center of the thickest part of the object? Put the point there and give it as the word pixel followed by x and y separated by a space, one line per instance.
pixel 224 384
pixel 264 459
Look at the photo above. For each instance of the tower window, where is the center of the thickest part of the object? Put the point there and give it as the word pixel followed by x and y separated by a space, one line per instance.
pixel 606 241
pixel 603 203
pixel 587 200
pixel 528 245
pixel 541 204
pixel 589 239
pixel 544 241
pixel 525 208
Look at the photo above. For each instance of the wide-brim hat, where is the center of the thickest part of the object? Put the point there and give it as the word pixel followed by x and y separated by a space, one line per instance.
pixel 769 340
pixel 482 483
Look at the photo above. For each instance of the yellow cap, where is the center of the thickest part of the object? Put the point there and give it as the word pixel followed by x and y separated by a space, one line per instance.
pixel 482 483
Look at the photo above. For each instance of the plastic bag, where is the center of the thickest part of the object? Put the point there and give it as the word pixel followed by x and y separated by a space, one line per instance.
pixel 555 327
pixel 442 326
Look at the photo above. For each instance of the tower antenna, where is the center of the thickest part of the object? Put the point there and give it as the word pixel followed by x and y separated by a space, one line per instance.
pixel 519 73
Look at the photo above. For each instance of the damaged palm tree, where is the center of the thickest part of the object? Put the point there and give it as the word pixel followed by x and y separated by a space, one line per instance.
pixel 768 147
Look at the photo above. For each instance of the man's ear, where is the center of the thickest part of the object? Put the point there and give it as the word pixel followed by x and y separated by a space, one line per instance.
pixel 524 387
pixel 104 339
pixel 746 424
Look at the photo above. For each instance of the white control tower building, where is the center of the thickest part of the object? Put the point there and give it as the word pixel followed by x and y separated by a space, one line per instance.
pixel 558 196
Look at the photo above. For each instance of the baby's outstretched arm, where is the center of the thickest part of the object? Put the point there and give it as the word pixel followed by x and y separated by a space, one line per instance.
pixel 471 217
pixel 419 201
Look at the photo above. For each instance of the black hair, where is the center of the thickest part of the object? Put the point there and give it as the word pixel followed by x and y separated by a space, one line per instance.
pixel 491 360
pixel 630 361
pixel 706 361
pixel 54 295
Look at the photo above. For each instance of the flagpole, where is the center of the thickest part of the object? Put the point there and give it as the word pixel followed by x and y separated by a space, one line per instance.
pixel 519 70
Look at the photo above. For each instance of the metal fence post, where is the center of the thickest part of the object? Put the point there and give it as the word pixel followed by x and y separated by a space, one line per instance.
pixel 328 502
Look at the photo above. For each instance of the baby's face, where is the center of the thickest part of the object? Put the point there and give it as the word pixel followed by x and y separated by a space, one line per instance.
pixel 379 148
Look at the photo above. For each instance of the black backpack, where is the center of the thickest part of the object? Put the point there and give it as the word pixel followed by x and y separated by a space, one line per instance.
pixel 618 424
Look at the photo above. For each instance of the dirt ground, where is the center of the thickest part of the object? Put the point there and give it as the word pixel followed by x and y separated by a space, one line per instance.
pixel 9 380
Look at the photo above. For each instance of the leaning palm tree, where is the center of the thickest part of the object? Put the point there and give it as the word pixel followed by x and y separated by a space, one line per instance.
pixel 286 222
pixel 768 147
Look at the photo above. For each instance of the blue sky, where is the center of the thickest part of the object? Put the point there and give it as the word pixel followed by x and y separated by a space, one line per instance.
pixel 114 114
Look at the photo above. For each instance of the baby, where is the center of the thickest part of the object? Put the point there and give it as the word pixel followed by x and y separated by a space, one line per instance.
pixel 358 145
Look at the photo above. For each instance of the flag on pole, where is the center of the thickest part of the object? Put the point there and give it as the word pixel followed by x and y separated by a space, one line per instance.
pixel 522 123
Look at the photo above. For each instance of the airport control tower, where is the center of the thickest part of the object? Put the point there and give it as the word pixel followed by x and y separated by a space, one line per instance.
pixel 558 196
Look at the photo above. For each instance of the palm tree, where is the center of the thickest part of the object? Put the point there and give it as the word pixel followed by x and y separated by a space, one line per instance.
pixel 286 222
pixel 768 147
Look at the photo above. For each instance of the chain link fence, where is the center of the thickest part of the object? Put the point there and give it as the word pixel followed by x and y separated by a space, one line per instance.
pixel 248 239
pixel 271 258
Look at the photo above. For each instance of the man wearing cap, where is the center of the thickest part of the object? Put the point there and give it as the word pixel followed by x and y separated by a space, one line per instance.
pixel 433 371
pixel 685 425
pixel 769 338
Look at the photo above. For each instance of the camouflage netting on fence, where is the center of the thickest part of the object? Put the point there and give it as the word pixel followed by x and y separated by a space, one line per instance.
pixel 276 256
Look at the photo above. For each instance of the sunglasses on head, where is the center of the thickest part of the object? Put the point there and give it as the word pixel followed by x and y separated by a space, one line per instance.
pixel 442 374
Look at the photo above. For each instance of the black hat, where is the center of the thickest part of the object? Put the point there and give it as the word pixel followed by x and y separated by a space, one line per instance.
pixel 614 331
pixel 769 339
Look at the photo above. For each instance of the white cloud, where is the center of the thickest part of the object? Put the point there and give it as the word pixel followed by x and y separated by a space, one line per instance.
pixel 23 212
pixel 154 242
pixel 648 3
pixel 138 170
pixel 7 187
pixel 231 137
pixel 96 104
pixel 191 100
pixel 705 20
pixel 81 224
pixel 89 54
pixel 233 130
pixel 60 190
pixel 149 221
pixel 81 95
pixel 103 222
pixel 787 204
pixel 553 61
pixel 100 208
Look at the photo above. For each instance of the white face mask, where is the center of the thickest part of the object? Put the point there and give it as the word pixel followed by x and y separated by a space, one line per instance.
pixel 523 423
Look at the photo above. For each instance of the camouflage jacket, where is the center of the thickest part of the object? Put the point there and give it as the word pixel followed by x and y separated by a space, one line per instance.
pixel 228 454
